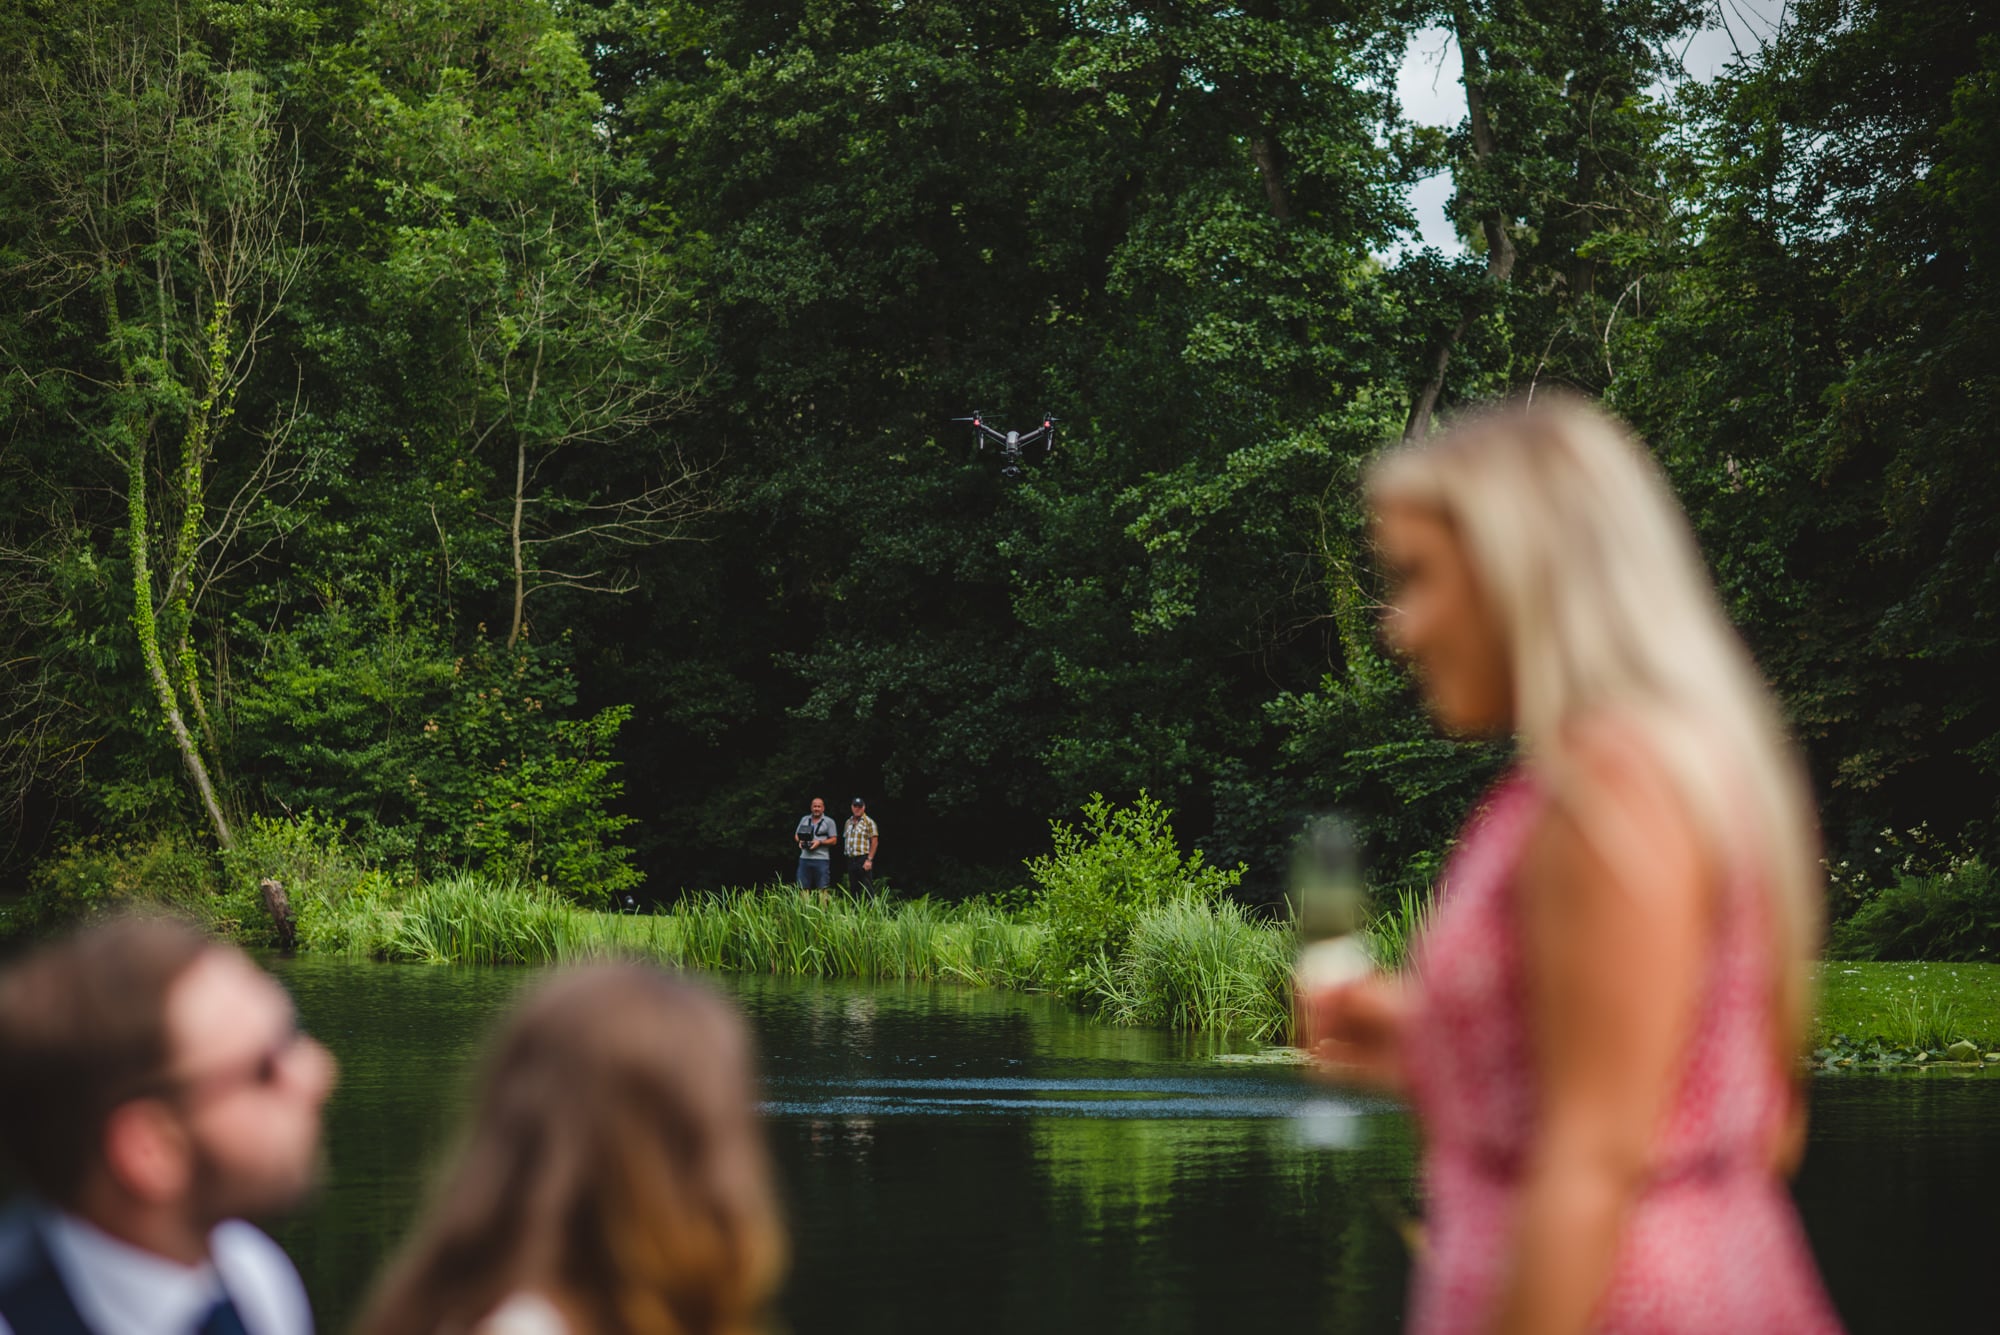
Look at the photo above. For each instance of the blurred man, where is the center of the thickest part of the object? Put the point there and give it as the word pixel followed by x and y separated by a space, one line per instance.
pixel 157 1090
pixel 862 840
pixel 815 836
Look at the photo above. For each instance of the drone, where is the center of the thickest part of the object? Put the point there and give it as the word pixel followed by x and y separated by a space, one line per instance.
pixel 1016 447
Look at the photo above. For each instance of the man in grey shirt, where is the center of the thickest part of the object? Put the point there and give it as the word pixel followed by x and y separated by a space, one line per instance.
pixel 815 836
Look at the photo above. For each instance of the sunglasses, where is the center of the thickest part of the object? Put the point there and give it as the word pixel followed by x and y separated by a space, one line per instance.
pixel 260 1071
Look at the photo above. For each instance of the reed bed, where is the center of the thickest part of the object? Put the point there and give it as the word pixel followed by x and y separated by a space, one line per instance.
pixel 466 919
pixel 1191 962
pixel 1397 927
pixel 777 930
pixel 1200 964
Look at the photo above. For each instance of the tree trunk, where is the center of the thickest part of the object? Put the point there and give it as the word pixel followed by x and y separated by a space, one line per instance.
pixel 146 623
pixel 1500 252
pixel 521 492
pixel 514 535
pixel 214 407
pixel 1424 407
pixel 1264 152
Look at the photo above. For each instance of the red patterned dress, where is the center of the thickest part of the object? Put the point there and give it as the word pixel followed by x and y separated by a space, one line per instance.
pixel 1713 1246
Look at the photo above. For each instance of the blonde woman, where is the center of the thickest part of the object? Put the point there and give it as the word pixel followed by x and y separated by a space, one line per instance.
pixel 1600 1028
pixel 613 1180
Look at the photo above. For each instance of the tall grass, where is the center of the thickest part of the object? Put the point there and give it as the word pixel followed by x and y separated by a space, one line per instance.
pixel 1194 963
pixel 1923 1020
pixel 777 930
pixel 1396 928
pixel 462 920
pixel 1189 963
pixel 466 919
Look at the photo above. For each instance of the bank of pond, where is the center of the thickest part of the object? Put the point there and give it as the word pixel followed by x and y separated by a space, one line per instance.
pixel 1184 963
pixel 1181 961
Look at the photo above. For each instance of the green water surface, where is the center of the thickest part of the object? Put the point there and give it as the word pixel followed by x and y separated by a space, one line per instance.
pixel 985 1161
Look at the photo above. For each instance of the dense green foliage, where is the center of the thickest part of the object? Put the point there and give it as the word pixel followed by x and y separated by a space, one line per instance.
pixel 1952 914
pixel 1817 374
pixel 1186 957
pixel 518 430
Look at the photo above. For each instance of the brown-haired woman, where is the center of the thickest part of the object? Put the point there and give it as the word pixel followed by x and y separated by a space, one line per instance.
pixel 613 1181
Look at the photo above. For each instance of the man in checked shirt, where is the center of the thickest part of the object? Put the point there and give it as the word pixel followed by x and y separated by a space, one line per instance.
pixel 860 844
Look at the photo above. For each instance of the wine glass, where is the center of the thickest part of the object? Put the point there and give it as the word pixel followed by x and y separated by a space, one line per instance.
pixel 1329 906
pixel 1329 910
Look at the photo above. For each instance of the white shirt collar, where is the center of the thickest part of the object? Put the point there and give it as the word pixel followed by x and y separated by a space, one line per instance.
pixel 120 1289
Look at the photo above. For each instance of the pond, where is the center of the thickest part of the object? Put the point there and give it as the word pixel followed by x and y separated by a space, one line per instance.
pixel 996 1162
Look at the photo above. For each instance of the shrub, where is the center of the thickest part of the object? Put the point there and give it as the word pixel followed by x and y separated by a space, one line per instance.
pixel 97 875
pixel 365 713
pixel 1952 915
pixel 340 902
pixel 548 817
pixel 355 919
pixel 309 856
pixel 1090 891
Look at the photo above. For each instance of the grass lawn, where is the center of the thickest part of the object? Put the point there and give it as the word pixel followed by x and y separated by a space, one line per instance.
pixel 1863 1001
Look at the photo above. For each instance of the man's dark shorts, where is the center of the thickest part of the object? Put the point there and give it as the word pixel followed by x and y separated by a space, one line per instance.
pixel 814 873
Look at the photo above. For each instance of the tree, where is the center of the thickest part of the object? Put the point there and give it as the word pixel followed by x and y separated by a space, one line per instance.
pixel 560 314
pixel 1816 373
pixel 168 234
pixel 1559 173
pixel 1167 225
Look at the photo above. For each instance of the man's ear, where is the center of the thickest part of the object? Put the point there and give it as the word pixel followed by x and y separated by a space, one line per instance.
pixel 147 1153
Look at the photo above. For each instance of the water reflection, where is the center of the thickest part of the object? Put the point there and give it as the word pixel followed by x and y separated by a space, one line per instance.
pixel 404 1037
pixel 998 1163
pixel 956 1096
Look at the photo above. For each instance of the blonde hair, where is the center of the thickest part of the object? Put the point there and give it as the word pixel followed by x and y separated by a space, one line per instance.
pixel 1607 608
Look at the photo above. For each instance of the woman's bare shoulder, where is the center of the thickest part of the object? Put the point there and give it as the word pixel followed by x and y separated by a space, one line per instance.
pixel 1615 799
pixel 1628 758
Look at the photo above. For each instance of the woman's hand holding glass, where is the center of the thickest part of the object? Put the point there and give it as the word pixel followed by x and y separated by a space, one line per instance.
pixel 1355 1029
pixel 1349 1015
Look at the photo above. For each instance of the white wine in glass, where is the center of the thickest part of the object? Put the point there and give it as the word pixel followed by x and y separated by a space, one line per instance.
pixel 1330 906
